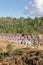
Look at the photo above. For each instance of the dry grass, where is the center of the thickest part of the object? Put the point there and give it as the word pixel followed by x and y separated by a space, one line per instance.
pixel 4 43
pixel 40 47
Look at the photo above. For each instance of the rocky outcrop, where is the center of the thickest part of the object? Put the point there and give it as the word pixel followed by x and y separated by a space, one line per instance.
pixel 23 38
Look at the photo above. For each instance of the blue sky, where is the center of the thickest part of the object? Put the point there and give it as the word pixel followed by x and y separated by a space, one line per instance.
pixel 21 8
pixel 12 8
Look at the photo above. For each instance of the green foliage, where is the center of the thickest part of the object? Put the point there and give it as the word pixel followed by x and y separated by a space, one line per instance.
pixel 21 25
pixel 9 48
pixel 1 56
pixel 1 50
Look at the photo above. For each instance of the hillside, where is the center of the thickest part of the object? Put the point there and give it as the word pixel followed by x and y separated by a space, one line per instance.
pixel 21 41
pixel 21 25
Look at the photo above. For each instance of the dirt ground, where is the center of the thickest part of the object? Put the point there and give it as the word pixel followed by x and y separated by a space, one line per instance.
pixel 4 43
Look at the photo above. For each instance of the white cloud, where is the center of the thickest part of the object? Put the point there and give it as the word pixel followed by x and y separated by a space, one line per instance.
pixel 35 8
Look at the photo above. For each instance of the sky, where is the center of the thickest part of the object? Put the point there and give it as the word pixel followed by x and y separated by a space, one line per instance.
pixel 21 8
